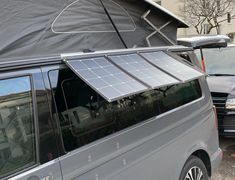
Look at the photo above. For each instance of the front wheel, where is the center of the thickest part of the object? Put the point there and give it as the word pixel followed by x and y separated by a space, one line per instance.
pixel 194 169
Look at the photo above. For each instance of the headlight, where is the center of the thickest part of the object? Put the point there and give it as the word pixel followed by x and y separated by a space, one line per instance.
pixel 230 104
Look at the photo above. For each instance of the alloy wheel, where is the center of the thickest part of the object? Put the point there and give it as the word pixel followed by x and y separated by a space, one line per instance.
pixel 195 173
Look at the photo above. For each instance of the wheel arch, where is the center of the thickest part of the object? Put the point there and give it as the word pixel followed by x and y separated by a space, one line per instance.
pixel 204 156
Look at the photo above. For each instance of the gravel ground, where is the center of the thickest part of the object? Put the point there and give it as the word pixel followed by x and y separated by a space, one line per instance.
pixel 226 171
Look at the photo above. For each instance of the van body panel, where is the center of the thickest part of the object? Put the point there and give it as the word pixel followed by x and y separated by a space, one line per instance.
pixel 167 135
pixel 156 148
pixel 50 170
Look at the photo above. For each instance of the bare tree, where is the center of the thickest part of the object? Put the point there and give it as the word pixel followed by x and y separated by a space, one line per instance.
pixel 211 12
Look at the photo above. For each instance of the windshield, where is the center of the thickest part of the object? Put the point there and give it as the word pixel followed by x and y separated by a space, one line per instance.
pixel 219 61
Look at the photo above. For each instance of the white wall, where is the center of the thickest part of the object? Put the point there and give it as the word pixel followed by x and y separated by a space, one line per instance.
pixel 175 6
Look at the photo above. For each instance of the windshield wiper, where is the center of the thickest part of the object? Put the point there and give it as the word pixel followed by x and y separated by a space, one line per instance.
pixel 221 74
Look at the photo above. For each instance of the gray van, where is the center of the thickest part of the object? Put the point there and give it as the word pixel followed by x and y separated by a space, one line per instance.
pixel 125 114
pixel 114 111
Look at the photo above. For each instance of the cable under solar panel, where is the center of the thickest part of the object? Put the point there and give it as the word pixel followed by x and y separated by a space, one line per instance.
pixel 136 66
pixel 105 78
pixel 169 64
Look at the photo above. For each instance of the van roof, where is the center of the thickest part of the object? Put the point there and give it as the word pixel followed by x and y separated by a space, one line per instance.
pixel 32 62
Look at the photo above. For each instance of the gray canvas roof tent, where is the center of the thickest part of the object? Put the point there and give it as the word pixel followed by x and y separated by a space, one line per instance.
pixel 215 41
pixel 48 28
pixel 43 32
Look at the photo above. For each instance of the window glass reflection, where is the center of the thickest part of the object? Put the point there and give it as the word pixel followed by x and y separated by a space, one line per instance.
pixel 17 142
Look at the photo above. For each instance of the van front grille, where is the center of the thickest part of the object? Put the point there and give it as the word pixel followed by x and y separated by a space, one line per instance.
pixel 219 100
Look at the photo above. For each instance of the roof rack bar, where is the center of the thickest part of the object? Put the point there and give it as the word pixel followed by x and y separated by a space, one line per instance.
pixel 121 51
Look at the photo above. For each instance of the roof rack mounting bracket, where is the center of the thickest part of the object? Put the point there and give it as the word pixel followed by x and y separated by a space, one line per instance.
pixel 157 30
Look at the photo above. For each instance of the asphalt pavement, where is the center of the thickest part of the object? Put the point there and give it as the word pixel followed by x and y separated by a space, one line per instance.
pixel 226 171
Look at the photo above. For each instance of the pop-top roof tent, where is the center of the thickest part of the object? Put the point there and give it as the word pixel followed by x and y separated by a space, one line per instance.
pixel 75 31
pixel 48 28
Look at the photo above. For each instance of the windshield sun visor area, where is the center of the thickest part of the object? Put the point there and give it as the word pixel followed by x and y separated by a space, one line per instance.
pixel 116 76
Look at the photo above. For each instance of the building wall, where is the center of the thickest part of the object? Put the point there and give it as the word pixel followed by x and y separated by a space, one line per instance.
pixel 175 6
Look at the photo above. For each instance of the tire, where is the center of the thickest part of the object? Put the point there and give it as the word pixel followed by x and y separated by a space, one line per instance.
pixel 193 168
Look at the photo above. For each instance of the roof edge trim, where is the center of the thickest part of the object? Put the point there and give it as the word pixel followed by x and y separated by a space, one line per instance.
pixel 182 23
pixel 118 51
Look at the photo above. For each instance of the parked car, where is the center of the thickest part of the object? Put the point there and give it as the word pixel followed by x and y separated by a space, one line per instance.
pixel 200 42
pixel 73 120
pixel 218 61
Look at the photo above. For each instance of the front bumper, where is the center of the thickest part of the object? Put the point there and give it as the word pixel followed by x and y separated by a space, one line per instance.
pixel 226 124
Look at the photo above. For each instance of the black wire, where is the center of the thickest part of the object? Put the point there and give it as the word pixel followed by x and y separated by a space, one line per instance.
pixel 119 35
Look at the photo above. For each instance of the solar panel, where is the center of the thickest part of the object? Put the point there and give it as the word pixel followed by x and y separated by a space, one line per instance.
pixel 172 66
pixel 142 70
pixel 105 78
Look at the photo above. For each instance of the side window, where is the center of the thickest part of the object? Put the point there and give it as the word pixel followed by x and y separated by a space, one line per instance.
pixel 85 116
pixel 185 56
pixel 17 137
pixel 180 94
pixel 137 108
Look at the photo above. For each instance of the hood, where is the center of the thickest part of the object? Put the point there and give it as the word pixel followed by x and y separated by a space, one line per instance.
pixel 222 84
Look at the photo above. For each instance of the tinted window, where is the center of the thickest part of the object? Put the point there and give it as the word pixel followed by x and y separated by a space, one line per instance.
pixel 185 56
pixel 17 138
pixel 179 95
pixel 85 116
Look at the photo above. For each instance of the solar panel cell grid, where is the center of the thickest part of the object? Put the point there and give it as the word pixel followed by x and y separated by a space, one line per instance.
pixel 142 70
pixel 172 66
pixel 106 78
pixel 118 76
